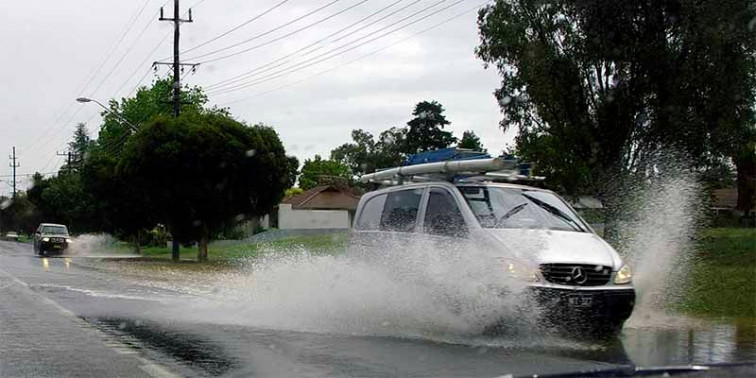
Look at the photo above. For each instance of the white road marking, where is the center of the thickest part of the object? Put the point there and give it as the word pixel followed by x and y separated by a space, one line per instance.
pixel 154 370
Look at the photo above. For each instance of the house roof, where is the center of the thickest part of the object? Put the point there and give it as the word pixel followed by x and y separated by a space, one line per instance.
pixel 325 197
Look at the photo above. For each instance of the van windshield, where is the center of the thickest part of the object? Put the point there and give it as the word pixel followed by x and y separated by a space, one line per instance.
pixel 521 208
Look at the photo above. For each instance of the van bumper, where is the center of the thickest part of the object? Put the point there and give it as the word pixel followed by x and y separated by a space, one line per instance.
pixel 594 306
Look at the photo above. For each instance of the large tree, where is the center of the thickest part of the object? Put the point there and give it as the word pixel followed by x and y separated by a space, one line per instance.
pixel 119 207
pixel 146 103
pixel 79 147
pixel 292 165
pixel 599 89
pixel 471 141
pixel 425 131
pixel 365 154
pixel 203 170
pixel 318 171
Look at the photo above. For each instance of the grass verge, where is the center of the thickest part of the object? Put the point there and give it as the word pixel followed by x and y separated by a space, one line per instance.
pixel 722 279
pixel 219 254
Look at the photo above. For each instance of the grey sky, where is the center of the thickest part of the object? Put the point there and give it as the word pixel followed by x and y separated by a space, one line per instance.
pixel 53 48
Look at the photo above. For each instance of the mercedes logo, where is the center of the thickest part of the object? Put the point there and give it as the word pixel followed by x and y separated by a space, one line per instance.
pixel 578 275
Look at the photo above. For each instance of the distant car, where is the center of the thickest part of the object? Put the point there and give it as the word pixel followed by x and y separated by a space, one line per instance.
pixel 11 236
pixel 51 238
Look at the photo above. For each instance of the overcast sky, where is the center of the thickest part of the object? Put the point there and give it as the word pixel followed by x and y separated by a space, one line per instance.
pixel 54 52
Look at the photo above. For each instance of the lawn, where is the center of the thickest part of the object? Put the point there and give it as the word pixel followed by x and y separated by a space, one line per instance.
pixel 722 280
pixel 314 244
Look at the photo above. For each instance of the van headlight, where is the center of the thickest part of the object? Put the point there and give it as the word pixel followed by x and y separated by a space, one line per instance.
pixel 521 271
pixel 45 239
pixel 68 241
pixel 624 275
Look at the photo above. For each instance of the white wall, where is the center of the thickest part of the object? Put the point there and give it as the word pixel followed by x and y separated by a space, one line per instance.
pixel 290 219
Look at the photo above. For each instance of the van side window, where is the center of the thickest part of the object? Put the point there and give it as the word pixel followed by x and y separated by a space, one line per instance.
pixel 442 215
pixel 370 217
pixel 400 211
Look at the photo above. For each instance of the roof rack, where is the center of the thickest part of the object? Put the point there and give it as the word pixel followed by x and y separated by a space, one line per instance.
pixel 500 169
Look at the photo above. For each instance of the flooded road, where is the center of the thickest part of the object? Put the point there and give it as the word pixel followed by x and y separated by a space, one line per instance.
pixel 157 328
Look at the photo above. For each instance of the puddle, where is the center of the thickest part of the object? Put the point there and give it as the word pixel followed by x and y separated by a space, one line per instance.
pixel 190 350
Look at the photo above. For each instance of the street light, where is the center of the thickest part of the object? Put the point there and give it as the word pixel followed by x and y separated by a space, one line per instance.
pixel 85 100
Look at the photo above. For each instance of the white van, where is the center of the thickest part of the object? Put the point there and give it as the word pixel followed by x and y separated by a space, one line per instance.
pixel 576 277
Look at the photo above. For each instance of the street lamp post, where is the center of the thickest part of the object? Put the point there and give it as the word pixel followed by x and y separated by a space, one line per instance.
pixel 85 100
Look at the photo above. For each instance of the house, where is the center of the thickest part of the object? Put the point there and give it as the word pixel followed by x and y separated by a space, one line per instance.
pixel 322 207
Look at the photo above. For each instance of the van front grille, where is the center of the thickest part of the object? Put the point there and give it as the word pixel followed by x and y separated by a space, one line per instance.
pixel 576 274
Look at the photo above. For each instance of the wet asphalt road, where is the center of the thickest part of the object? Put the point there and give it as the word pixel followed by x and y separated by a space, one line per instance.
pixel 59 318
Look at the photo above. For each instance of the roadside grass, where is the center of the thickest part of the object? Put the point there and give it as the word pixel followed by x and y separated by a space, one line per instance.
pixel 226 256
pixel 722 278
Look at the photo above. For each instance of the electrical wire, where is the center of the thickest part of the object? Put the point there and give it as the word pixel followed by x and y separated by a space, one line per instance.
pixel 126 53
pixel 241 76
pixel 313 61
pixel 283 36
pixel 266 32
pixel 245 23
pixel 315 58
pixel 358 58
pixel 88 79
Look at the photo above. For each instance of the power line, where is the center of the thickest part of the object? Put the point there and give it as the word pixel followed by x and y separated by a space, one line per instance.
pixel 283 36
pixel 245 23
pixel 267 32
pixel 240 77
pixel 314 60
pixel 128 50
pixel 88 79
pixel 358 58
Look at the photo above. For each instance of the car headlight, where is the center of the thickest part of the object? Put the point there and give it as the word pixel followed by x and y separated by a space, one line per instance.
pixel 624 275
pixel 521 271
pixel 68 240
pixel 45 239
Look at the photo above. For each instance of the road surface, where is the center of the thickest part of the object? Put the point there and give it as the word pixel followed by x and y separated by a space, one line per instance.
pixel 60 317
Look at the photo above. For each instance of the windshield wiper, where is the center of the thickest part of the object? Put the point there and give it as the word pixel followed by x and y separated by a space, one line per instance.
pixel 553 210
pixel 511 212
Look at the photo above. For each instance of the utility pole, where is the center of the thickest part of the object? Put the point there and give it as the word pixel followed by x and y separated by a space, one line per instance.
pixel 14 164
pixel 68 159
pixel 177 65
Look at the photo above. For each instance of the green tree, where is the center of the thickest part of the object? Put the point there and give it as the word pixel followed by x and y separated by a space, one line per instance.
pixel 317 171
pixel 147 103
pixel 426 129
pixel 199 174
pixel 599 89
pixel 18 214
pixel 118 206
pixel 67 201
pixel 79 146
pixel 365 154
pixel 471 141
pixel 292 166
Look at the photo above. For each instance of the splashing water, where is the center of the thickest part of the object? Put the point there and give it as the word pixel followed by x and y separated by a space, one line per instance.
pixel 443 295
pixel 91 245
pixel 660 242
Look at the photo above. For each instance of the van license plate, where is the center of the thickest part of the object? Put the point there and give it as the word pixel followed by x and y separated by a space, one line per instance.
pixel 56 246
pixel 580 300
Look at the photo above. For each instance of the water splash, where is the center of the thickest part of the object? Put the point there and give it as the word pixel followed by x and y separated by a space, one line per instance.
pixel 92 245
pixel 659 242
pixel 439 297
